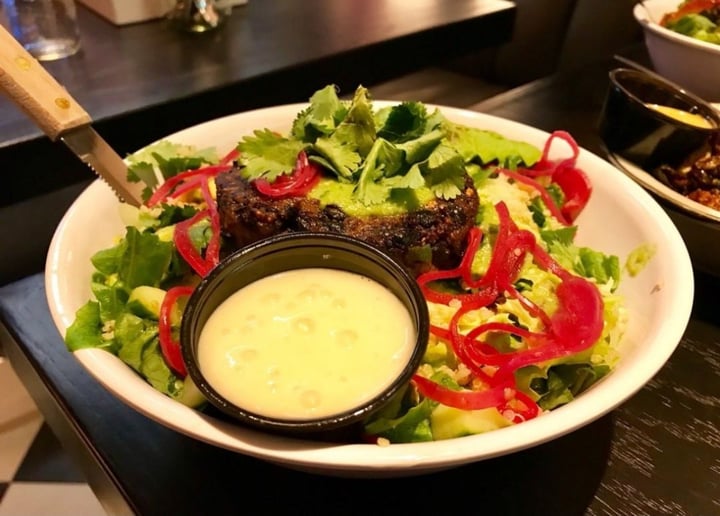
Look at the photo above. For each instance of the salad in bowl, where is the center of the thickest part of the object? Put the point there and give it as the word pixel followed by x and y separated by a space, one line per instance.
pixel 550 277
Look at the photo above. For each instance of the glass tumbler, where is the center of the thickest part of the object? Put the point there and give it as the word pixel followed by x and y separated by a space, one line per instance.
pixel 46 28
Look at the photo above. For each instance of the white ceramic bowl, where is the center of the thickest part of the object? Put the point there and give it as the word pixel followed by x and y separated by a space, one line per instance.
pixel 620 216
pixel 691 63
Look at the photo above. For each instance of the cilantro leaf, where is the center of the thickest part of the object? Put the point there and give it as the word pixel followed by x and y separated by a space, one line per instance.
pixel 412 179
pixel 320 117
pixel 368 190
pixel 142 171
pixel 358 126
pixel 340 157
pixel 173 166
pixel 268 154
pixel 404 122
pixel 444 172
pixel 167 158
pixel 384 159
pixel 173 213
pixel 420 148
pixel 343 150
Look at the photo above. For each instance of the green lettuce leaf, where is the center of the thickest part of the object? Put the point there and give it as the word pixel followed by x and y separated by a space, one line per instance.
pixel 485 147
pixel 564 382
pixel 111 298
pixel 145 260
pixel 86 330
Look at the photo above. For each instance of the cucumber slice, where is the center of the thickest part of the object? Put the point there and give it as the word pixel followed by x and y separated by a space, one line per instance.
pixel 145 301
pixel 190 395
pixel 448 422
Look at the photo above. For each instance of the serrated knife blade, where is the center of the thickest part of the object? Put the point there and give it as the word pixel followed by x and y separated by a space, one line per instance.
pixel 50 106
pixel 91 148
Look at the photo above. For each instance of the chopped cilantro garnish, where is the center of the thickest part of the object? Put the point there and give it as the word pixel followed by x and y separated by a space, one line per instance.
pixel 395 148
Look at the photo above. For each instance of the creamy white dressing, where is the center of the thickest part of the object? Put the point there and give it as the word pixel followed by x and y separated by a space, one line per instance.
pixel 306 343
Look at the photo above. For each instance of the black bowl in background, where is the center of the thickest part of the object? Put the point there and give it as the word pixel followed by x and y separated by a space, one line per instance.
pixel 297 251
pixel 641 134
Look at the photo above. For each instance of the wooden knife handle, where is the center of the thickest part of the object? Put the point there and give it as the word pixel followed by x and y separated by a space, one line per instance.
pixel 35 91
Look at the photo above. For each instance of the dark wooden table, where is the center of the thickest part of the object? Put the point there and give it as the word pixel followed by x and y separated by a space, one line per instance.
pixel 657 454
pixel 141 82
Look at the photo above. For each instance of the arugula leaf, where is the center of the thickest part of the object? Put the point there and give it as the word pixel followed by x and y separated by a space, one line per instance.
pixel 268 155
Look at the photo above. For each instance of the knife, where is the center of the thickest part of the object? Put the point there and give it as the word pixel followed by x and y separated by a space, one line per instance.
pixel 31 87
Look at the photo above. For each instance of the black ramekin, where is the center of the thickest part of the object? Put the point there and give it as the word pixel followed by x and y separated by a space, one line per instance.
pixel 296 251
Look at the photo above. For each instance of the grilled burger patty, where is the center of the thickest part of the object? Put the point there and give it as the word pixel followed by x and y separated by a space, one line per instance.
pixel 440 225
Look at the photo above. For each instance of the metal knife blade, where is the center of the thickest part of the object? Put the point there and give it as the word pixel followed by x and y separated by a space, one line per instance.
pixel 51 107
pixel 91 148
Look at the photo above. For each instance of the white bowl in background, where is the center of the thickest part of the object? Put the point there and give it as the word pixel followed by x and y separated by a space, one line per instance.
pixel 689 62
pixel 619 216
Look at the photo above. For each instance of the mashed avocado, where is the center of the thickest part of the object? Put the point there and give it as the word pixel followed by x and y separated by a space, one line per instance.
pixel 330 191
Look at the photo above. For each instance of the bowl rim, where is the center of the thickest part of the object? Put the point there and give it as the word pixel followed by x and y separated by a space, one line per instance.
pixel 285 243
pixel 668 195
pixel 644 18
pixel 362 459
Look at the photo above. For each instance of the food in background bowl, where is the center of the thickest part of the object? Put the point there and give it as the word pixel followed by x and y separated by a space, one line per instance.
pixel 689 61
pixel 676 157
pixel 698 177
pixel 672 134
pixel 617 218
pixel 699 19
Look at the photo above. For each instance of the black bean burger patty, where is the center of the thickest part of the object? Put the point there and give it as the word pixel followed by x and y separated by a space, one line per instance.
pixel 442 225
